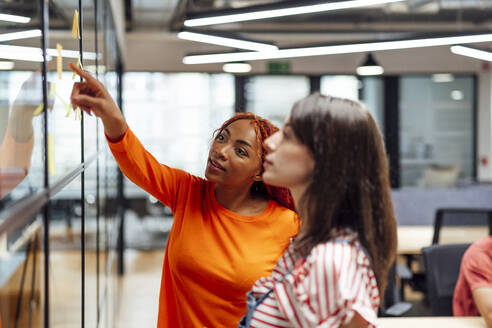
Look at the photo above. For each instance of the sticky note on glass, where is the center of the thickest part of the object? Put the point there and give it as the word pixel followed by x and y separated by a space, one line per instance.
pixel 52 91
pixel 59 61
pixel 51 155
pixel 79 64
pixel 38 110
pixel 75 25
pixel 69 109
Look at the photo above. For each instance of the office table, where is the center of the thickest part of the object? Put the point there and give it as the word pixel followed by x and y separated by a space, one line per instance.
pixel 411 239
pixel 432 322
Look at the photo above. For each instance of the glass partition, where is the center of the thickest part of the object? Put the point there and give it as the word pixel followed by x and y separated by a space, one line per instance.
pixel 436 131
pixel 58 186
pixel 155 100
pixel 21 135
pixel 273 96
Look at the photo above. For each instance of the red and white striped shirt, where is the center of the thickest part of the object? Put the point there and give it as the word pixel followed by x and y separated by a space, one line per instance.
pixel 324 290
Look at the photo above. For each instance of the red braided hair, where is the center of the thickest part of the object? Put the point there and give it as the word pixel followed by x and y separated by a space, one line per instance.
pixel 263 129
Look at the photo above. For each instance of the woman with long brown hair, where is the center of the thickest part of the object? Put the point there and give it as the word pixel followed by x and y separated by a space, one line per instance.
pixel 331 156
pixel 229 229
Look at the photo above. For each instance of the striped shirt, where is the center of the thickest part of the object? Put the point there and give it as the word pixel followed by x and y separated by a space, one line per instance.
pixel 325 289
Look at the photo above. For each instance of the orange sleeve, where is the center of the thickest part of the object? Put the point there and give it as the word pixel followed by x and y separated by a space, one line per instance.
pixel 161 181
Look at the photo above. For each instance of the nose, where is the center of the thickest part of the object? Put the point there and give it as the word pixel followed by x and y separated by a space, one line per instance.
pixel 272 141
pixel 221 152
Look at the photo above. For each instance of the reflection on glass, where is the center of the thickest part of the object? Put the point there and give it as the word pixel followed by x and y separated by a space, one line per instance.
pixel 17 143
pixel 273 96
pixel 65 256
pixel 64 130
pixel 21 273
pixel 436 143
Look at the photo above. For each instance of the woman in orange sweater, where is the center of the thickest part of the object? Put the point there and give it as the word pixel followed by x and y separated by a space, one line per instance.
pixel 229 229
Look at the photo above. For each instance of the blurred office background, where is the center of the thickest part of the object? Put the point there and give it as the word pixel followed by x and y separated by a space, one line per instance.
pixel 82 246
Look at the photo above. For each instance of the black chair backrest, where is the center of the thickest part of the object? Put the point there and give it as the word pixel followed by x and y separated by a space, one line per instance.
pixel 461 217
pixel 442 267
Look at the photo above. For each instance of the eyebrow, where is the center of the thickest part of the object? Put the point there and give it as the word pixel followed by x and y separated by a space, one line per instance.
pixel 242 142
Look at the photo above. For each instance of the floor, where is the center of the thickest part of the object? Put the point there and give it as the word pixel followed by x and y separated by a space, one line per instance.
pixel 140 289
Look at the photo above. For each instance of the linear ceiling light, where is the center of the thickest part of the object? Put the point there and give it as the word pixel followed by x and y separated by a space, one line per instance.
pixel 14 18
pixel 35 54
pixel 6 65
pixel 228 42
pixel 21 53
pixel 20 35
pixel 237 68
pixel 262 14
pixel 471 52
pixel 335 49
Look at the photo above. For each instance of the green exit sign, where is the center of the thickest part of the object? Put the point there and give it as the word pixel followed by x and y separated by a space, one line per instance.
pixel 278 67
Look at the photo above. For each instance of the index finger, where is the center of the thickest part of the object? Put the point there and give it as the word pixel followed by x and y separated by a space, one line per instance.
pixel 81 73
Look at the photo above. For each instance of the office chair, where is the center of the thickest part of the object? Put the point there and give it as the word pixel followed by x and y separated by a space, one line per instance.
pixel 457 217
pixel 392 305
pixel 442 268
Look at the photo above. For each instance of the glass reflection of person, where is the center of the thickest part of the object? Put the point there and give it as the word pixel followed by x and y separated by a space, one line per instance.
pixel 17 144
pixel 229 229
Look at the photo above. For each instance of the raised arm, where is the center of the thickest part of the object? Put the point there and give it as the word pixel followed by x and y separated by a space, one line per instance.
pixel 91 96
pixel 134 161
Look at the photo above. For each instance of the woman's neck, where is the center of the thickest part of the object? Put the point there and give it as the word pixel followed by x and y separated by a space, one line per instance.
pixel 297 192
pixel 239 200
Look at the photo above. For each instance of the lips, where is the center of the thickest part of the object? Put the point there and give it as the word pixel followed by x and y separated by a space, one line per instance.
pixel 216 165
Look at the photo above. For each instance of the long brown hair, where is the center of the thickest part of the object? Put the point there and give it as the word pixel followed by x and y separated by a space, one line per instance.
pixel 263 128
pixel 349 187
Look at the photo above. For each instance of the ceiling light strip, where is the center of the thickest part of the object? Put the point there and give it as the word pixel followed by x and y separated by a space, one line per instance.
pixel 20 35
pixel 35 54
pixel 262 14
pixel 336 49
pixel 227 42
pixel 14 18
pixel 6 65
pixel 471 52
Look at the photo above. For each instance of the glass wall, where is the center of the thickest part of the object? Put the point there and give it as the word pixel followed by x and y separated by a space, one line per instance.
pixel 436 130
pixel 58 223
pixel 273 96
pixel 346 86
pixel 171 112
pixel 174 115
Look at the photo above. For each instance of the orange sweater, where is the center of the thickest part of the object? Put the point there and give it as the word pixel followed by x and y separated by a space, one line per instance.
pixel 213 255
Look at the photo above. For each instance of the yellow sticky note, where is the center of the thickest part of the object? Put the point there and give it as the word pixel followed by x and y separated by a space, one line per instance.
pixel 52 89
pixel 75 25
pixel 38 110
pixel 51 155
pixel 59 61
pixel 79 64
pixel 69 109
